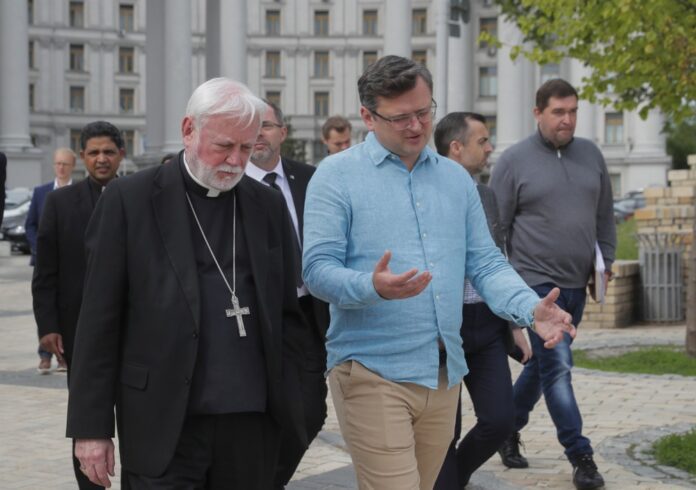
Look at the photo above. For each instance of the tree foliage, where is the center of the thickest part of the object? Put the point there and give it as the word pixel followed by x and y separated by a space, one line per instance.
pixel 641 53
pixel 681 142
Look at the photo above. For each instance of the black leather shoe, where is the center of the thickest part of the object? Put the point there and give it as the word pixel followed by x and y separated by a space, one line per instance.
pixel 510 452
pixel 585 474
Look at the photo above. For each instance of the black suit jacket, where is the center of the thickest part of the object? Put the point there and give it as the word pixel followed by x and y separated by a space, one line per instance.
pixel 31 225
pixel 60 262
pixel 298 175
pixel 136 343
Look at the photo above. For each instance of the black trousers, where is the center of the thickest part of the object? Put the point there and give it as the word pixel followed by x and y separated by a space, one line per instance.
pixel 314 391
pixel 489 385
pixel 219 452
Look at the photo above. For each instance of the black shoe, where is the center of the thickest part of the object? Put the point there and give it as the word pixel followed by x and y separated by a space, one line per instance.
pixel 585 474
pixel 510 452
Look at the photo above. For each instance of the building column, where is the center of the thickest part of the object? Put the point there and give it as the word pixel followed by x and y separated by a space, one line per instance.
pixel 647 138
pixel 512 106
pixel 460 86
pixel 586 124
pixel 168 83
pixel 226 39
pixel 397 27
pixel 24 161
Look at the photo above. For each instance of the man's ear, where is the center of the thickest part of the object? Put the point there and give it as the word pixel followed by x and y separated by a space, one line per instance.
pixel 367 117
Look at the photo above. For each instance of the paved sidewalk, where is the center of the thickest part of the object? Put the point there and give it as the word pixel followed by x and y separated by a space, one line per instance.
pixel 622 414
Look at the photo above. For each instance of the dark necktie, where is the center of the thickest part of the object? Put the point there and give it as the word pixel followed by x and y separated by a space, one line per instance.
pixel 270 179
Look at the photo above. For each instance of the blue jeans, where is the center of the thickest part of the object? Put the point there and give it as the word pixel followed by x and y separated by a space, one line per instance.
pixel 548 372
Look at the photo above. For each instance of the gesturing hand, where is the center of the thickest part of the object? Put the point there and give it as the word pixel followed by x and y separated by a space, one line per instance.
pixel 550 321
pixel 398 286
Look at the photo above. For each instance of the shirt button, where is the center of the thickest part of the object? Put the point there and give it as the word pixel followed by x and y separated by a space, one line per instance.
pixel 425 235
pixel 432 264
pixel 187 380
pixel 195 334
pixel 437 297
pixel 418 204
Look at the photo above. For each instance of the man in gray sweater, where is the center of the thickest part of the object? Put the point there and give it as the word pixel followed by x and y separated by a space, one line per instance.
pixel 552 184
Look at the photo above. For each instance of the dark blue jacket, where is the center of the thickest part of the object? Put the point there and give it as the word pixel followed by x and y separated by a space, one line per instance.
pixel 32 222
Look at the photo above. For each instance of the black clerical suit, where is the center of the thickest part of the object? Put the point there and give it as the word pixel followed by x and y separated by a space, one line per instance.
pixel 138 338
pixel 313 365
pixel 59 270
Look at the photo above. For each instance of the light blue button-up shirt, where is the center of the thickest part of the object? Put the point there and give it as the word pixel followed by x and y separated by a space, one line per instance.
pixel 364 201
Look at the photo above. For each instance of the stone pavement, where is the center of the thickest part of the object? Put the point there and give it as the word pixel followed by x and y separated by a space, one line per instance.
pixel 622 415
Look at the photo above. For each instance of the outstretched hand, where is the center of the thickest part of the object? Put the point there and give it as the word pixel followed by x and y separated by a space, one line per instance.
pixel 398 286
pixel 551 321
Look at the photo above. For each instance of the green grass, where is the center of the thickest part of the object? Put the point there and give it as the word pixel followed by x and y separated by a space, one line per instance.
pixel 626 243
pixel 678 450
pixel 651 360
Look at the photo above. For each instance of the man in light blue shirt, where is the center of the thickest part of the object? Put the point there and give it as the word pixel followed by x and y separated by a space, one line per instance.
pixel 395 358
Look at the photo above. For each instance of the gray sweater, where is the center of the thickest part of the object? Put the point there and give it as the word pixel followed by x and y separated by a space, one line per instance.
pixel 555 203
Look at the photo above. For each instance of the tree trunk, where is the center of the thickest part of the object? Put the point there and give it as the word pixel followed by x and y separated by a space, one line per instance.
pixel 691 299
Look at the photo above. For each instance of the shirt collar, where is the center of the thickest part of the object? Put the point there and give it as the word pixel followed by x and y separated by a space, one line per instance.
pixel 258 173
pixel 379 153
pixel 58 186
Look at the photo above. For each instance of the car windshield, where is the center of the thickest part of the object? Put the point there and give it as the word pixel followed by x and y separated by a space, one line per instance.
pixel 16 197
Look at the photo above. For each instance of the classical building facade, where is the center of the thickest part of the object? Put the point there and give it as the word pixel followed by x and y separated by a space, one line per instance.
pixel 135 62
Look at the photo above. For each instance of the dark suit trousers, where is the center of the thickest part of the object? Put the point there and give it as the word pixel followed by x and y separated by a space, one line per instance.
pixel 489 385
pixel 314 391
pixel 218 452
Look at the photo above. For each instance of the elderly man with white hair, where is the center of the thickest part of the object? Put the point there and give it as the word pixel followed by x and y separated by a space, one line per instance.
pixel 189 298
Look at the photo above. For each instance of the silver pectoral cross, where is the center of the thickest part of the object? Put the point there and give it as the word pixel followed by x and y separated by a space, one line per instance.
pixel 237 312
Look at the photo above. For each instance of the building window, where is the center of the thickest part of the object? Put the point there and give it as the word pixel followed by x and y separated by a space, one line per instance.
pixel 420 56
pixel 126 100
pixel 30 11
pixel 613 128
pixel 318 150
pixel 488 25
pixel 492 125
pixel 273 96
pixel 76 14
pixel 419 24
pixel 273 22
pixel 273 64
pixel 321 23
pixel 128 136
pixel 77 99
pixel 369 57
pixel 75 143
pixel 370 22
pixel 488 81
pixel 31 55
pixel 77 57
pixel 321 104
pixel 321 64
pixel 126 17
pixel 32 105
pixel 548 72
pixel 126 59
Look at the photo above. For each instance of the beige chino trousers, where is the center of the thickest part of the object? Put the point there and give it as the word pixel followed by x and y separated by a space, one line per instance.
pixel 397 433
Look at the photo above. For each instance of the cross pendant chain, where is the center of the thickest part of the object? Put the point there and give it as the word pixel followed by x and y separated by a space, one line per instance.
pixel 238 313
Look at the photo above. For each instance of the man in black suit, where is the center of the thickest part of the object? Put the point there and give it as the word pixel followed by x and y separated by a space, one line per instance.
pixel 189 298
pixel 59 270
pixel 291 178
pixel 63 166
pixel 487 338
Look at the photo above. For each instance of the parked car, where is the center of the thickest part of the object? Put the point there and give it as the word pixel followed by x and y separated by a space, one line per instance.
pixel 12 230
pixel 625 207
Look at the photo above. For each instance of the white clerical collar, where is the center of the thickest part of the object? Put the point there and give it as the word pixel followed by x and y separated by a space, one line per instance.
pixel 259 173
pixel 211 192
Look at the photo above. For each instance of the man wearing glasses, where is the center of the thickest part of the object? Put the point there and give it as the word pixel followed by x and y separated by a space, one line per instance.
pixel 391 232
pixel 291 178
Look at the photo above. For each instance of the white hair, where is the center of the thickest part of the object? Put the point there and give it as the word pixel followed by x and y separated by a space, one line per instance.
pixel 224 96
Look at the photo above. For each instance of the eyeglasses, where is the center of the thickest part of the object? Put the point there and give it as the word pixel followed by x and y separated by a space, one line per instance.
pixel 402 122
